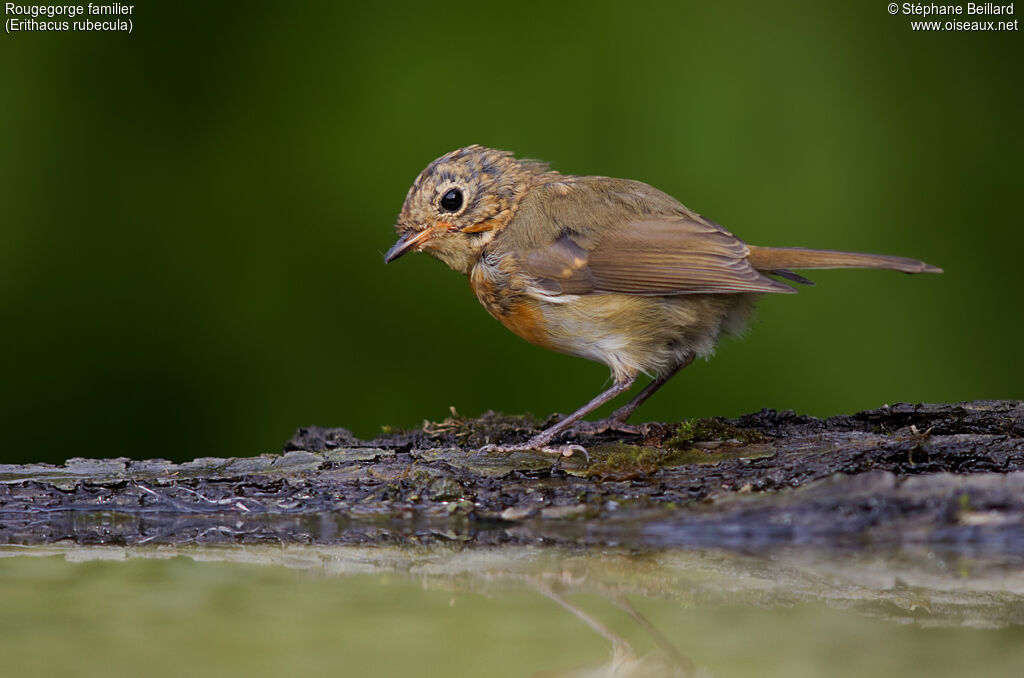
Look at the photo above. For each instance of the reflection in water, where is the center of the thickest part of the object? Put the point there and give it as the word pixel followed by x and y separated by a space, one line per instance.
pixel 450 609
pixel 625 662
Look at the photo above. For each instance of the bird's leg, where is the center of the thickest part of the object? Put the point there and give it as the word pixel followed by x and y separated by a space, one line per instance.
pixel 622 414
pixel 679 659
pixel 541 440
pixel 620 646
pixel 617 419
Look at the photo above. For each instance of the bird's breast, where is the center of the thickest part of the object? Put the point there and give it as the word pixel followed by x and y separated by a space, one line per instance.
pixel 504 298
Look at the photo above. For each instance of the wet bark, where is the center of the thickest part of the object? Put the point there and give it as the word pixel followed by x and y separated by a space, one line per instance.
pixel 944 476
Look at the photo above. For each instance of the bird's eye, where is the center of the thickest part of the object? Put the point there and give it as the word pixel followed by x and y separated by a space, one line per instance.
pixel 452 200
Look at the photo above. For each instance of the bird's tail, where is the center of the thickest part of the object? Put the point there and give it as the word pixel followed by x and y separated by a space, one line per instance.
pixel 782 258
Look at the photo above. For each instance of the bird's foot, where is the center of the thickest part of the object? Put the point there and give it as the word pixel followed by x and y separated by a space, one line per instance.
pixel 612 423
pixel 539 446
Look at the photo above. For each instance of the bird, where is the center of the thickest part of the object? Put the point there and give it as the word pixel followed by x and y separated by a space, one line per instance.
pixel 612 270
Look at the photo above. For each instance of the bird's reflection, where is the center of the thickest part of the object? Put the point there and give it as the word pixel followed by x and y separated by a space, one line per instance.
pixel 665 662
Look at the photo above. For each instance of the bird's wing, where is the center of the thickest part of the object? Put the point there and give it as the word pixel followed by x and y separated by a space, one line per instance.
pixel 643 254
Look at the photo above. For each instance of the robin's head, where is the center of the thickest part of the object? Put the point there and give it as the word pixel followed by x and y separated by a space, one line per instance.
pixel 460 201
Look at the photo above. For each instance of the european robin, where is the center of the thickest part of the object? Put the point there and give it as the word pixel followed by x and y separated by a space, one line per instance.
pixel 607 269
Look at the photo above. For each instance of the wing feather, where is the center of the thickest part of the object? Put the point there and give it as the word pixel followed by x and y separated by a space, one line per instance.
pixel 660 256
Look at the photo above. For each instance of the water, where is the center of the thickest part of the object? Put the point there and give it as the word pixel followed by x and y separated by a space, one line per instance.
pixel 456 610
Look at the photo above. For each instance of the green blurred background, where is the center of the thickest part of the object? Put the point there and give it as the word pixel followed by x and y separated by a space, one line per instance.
pixel 194 215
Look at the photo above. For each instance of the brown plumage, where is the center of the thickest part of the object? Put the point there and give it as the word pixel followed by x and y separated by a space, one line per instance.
pixel 607 269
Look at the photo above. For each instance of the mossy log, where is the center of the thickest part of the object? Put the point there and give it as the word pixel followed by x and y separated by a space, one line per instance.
pixel 944 476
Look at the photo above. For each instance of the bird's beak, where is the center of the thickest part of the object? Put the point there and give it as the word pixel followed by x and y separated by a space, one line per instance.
pixel 411 241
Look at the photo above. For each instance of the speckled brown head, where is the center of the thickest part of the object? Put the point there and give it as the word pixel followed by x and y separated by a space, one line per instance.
pixel 460 201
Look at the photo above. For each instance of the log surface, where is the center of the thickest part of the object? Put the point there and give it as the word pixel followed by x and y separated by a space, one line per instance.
pixel 944 476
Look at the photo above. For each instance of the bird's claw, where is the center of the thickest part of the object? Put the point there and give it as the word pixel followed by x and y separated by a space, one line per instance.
pixel 567 450
pixel 593 428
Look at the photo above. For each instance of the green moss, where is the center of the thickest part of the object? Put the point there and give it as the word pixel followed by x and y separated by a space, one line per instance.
pixel 690 431
pixel 683 436
pixel 625 462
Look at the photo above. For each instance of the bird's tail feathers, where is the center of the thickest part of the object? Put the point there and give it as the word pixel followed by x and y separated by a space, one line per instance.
pixel 780 258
